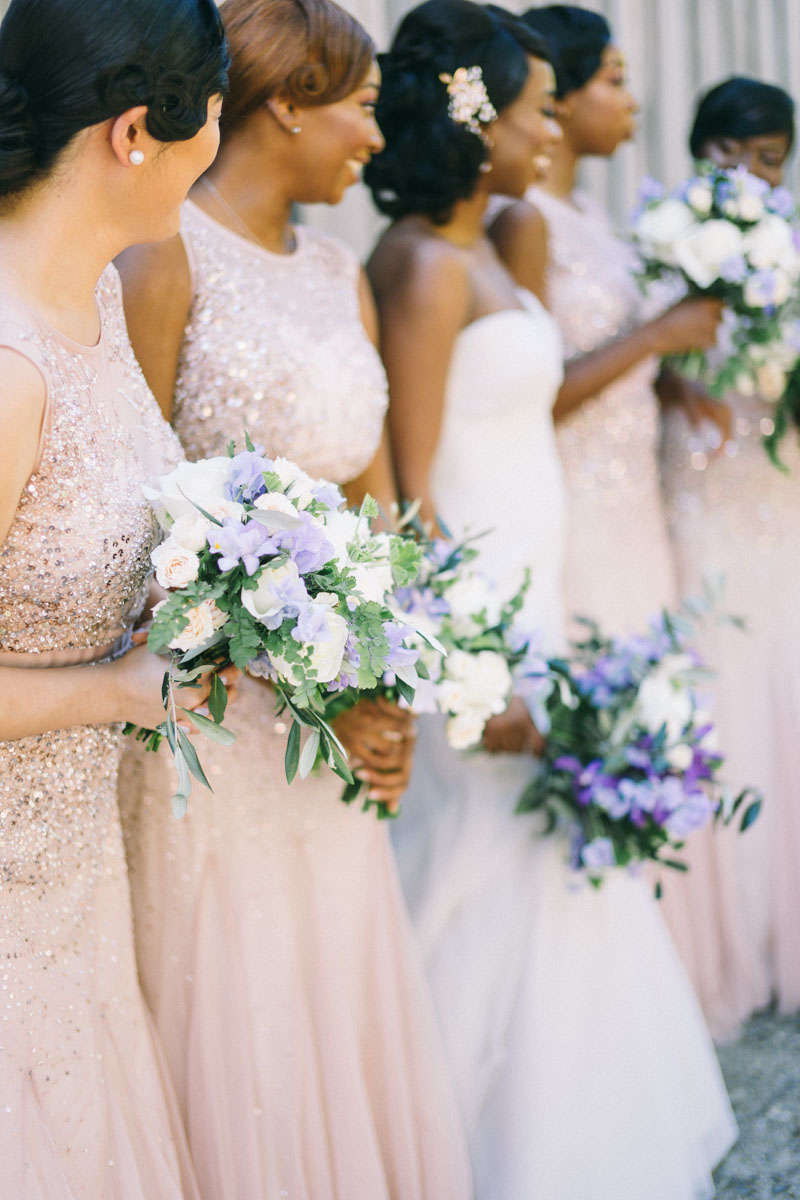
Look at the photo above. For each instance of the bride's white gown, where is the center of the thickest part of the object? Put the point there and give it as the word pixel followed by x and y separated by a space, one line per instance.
pixel 580 1057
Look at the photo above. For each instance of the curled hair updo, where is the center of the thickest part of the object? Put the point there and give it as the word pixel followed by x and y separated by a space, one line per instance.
pixel 307 52
pixel 66 65
pixel 429 161
pixel 577 38
pixel 742 108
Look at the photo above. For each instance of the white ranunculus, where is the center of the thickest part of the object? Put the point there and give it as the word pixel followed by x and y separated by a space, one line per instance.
pixel 467 597
pixel 190 531
pixel 663 699
pixel 326 653
pixel 192 484
pixel 465 729
pixel 175 565
pixel 680 757
pixel 263 602
pixel 770 382
pixel 199 630
pixel 659 227
pixel 276 502
pixel 700 196
pixel 770 243
pixel 700 252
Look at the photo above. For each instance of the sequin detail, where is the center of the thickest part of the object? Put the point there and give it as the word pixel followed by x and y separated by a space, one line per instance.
pixel 275 345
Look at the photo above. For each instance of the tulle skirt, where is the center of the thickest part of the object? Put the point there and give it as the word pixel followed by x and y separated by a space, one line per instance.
pixel 276 953
pixel 580 1056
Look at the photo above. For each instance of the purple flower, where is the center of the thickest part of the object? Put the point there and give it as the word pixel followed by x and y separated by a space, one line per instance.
pixel 695 813
pixel 307 545
pixel 311 625
pixel 781 202
pixel 650 190
pixel 246 476
pixel 398 654
pixel 328 494
pixel 598 853
pixel 237 542
pixel 734 270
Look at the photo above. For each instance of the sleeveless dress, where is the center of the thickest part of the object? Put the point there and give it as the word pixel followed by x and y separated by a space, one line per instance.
pixel 580 1059
pixel 86 1111
pixel 619 567
pixel 736 919
pixel 274 946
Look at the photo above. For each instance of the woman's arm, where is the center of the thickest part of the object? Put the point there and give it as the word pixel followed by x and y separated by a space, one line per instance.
pixel 157 294
pixel 520 236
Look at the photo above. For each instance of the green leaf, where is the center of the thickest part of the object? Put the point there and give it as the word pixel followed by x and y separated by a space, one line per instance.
pixel 213 731
pixel 308 755
pixel 181 795
pixel 217 699
pixel 750 815
pixel 405 690
pixel 292 755
pixel 192 761
pixel 248 443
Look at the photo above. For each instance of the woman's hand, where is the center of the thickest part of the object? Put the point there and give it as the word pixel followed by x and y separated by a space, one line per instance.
pixel 689 325
pixel 513 732
pixel 379 739
pixel 702 410
pixel 142 674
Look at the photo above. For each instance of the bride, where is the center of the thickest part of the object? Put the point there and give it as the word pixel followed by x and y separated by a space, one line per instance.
pixel 579 1054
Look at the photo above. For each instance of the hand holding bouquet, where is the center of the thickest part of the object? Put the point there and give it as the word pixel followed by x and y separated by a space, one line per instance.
pixel 630 766
pixel 728 234
pixel 267 570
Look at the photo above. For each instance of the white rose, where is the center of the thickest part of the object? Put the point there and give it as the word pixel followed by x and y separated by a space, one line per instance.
pixel 751 207
pixel 199 630
pixel 341 528
pixel 326 653
pixel 295 481
pixel 467 597
pixel 275 502
pixel 175 565
pixel 262 601
pixel 770 243
pixel 192 484
pixel 373 580
pixel 659 227
pixel 465 729
pixel 770 382
pixel 700 196
pixel 479 681
pixel 701 252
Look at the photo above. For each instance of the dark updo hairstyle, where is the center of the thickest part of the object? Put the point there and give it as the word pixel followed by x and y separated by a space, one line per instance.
pixel 68 64
pixel 577 38
pixel 741 108
pixel 429 162
pixel 307 52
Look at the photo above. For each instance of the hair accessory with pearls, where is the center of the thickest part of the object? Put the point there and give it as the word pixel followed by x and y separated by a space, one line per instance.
pixel 469 102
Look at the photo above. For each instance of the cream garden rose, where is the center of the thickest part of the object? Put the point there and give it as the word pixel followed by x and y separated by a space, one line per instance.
pixel 175 564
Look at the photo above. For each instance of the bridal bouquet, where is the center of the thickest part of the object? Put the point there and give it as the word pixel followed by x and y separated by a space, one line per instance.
pixel 267 570
pixel 728 234
pixel 630 765
pixel 488 657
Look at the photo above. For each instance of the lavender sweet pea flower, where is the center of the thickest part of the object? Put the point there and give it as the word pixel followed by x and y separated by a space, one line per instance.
pixel 308 545
pixel 399 655
pixel 328 494
pixel 235 542
pixel 598 854
pixel 734 270
pixel 695 813
pixel 246 476
pixel 781 202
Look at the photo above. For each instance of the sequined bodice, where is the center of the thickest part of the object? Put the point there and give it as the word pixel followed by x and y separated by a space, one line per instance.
pixel 610 441
pixel 275 345
pixel 75 561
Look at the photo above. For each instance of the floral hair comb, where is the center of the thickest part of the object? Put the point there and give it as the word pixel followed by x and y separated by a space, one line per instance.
pixel 468 100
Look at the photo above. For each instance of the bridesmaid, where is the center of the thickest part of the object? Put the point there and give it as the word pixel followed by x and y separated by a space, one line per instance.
pixel 100 139
pixel 731 512
pixel 274 947
pixel 579 1053
pixel 619 567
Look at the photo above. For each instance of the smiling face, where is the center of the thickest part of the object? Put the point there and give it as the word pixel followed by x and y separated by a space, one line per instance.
pixel 764 156
pixel 336 141
pixel 602 114
pixel 524 134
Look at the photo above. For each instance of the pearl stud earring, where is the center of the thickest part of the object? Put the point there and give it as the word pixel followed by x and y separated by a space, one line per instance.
pixel 295 129
pixel 136 158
